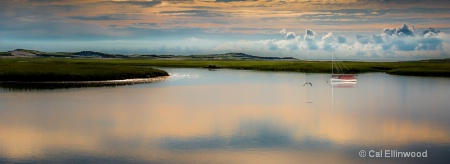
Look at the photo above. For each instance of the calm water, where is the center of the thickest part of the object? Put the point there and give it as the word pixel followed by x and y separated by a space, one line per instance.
pixel 230 116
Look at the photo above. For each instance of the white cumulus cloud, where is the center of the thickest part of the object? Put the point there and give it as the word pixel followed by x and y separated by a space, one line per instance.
pixel 290 35
pixel 402 43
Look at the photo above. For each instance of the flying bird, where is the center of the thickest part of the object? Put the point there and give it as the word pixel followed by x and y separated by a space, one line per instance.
pixel 307 83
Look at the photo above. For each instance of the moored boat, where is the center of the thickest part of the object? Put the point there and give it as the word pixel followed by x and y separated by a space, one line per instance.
pixel 341 76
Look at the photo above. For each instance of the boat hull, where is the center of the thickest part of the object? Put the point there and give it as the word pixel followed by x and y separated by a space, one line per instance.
pixel 343 78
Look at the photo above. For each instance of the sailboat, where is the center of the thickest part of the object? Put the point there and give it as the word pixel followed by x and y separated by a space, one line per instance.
pixel 340 76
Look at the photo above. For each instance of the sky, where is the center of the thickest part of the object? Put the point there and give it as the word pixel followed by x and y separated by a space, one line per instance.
pixel 304 29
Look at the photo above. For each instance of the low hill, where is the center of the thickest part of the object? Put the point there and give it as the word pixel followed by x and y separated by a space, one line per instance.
pixel 238 56
pixel 93 54
pixel 437 60
pixel 20 53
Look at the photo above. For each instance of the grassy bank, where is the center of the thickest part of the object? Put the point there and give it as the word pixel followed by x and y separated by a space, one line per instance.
pixel 418 68
pixel 46 69
pixel 60 69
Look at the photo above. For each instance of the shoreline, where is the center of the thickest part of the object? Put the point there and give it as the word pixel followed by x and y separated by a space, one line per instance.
pixel 76 84
pixel 47 70
pixel 114 82
pixel 421 69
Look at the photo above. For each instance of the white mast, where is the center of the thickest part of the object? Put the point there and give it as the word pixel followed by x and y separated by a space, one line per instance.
pixel 332 63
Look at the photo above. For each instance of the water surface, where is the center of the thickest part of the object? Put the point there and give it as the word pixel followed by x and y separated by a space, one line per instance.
pixel 229 116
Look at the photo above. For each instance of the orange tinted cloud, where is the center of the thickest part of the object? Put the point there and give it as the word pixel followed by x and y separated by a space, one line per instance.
pixel 339 15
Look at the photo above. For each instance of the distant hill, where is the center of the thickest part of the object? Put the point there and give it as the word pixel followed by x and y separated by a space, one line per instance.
pixel 93 54
pixel 22 53
pixel 436 60
pixel 238 56
pixel 33 53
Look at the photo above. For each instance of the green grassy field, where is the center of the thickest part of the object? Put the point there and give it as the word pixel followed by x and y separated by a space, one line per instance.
pixel 60 69
pixel 46 69
pixel 418 68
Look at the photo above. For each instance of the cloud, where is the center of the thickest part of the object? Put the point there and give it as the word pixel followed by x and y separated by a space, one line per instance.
pixel 290 35
pixel 327 41
pixel 310 46
pixel 360 53
pixel 389 31
pixel 310 36
pixel 102 17
pixel 430 43
pixel 309 42
pixel 200 13
pixel 391 44
pixel 406 30
pixel 377 39
pixel 402 31
pixel 288 45
pixel 328 38
pixel 402 38
pixel 431 31
pixel 404 44
pixel 341 39
pixel 431 40
pixel 271 44
pixel 193 39
pixel 143 3
pixel 228 1
pixel 362 39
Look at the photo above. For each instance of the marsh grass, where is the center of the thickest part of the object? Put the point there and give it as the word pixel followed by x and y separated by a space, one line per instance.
pixel 418 68
pixel 43 69
pixel 61 69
